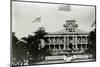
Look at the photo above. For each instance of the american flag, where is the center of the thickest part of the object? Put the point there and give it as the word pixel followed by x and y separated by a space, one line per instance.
pixel 64 8
pixel 38 19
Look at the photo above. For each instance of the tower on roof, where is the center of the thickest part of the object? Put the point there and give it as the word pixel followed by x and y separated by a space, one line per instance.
pixel 41 28
pixel 70 25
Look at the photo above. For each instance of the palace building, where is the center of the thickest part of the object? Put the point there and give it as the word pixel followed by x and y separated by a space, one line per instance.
pixel 69 39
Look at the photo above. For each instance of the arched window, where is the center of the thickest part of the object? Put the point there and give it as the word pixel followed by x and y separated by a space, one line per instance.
pixel 83 45
pixel 70 46
pixel 61 39
pixel 56 46
pixel 70 29
pixel 70 38
pixel 51 46
pixel 83 39
pixel 79 38
pixel 61 46
pixel 79 46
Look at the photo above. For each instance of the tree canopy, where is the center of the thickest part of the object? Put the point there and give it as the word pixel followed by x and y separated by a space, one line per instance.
pixel 29 49
pixel 92 43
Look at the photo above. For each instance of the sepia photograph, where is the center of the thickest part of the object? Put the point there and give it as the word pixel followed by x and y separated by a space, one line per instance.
pixel 45 33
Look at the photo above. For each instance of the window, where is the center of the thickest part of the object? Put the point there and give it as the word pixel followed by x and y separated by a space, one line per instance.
pixel 61 46
pixel 70 38
pixel 70 46
pixel 51 46
pixel 79 46
pixel 56 46
pixel 83 45
pixel 70 29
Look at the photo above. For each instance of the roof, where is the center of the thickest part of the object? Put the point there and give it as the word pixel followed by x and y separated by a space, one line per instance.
pixel 63 31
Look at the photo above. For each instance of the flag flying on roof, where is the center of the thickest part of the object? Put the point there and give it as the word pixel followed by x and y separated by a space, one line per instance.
pixel 64 8
pixel 38 19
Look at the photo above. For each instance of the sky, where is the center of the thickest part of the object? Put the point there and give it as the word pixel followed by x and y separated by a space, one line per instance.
pixel 52 19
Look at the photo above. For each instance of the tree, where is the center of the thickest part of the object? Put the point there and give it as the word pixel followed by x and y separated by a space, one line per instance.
pixel 14 47
pixel 92 43
pixel 18 51
pixel 29 48
pixel 34 47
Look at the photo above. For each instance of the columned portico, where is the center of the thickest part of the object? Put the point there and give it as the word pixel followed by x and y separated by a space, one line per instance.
pixel 63 42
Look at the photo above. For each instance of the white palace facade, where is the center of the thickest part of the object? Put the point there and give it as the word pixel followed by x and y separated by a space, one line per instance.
pixel 69 39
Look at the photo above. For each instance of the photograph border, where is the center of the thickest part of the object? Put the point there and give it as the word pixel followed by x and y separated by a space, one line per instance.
pixel 49 3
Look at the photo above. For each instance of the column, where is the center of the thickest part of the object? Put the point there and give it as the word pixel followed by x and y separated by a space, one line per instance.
pixel 49 46
pixel 49 42
pixel 64 43
pixel 54 40
pixel 81 46
pixel 58 47
pixel 54 46
pixel 82 42
pixel 80 39
pixel 86 46
pixel 85 42
pixel 76 46
pixel 67 42
pixel 73 42
pixel 86 39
